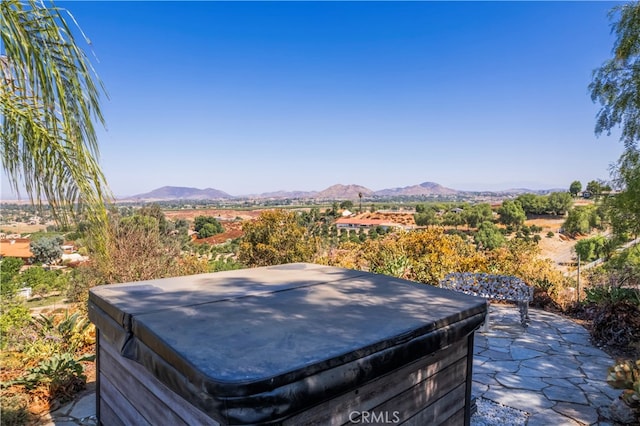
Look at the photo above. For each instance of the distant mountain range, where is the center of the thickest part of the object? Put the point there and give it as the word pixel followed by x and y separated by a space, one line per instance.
pixel 182 193
pixel 335 192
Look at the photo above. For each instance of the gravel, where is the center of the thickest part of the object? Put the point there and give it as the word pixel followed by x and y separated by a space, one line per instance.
pixel 490 413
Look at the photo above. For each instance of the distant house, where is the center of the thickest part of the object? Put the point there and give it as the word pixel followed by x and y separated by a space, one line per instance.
pixel 18 247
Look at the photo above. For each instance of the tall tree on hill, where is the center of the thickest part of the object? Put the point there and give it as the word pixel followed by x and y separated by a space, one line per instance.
pixel 616 84
pixel 511 213
pixel 616 87
pixel 49 99
pixel 575 188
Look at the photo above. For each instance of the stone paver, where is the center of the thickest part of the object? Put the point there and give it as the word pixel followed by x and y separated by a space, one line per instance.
pixel 551 370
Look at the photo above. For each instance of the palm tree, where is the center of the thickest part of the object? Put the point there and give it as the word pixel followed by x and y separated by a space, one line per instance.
pixel 48 100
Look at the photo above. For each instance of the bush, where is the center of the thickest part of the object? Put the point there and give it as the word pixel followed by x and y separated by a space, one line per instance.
pixel 617 325
pixel 207 226
pixel 63 375
pixel 550 234
pixel 610 294
pixel 13 319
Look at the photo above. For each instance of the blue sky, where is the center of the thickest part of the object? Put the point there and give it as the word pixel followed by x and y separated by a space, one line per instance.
pixel 256 97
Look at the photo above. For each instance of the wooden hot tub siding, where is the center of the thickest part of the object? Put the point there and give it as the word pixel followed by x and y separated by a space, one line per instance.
pixel 431 390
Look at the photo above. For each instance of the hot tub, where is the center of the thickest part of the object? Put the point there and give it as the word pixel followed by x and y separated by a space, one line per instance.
pixel 291 344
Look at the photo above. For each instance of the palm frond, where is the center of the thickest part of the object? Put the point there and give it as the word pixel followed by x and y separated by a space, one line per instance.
pixel 49 100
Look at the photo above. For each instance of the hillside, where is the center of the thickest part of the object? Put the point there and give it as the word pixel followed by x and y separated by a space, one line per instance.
pixel 425 188
pixel 344 192
pixel 334 192
pixel 182 193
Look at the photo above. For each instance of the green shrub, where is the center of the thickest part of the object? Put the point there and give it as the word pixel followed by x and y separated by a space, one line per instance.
pixel 68 332
pixel 602 294
pixel 550 234
pixel 13 319
pixel 63 374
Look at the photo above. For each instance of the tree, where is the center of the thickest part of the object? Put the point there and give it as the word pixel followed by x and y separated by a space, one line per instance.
pixel 49 98
pixel 477 214
pixel 559 202
pixel 581 220
pixel 616 84
pixel 426 218
pixel 533 203
pixel 595 188
pixel 489 236
pixel 591 248
pixel 137 252
pixel 42 282
pixel 511 213
pixel 346 205
pixel 624 207
pixel 9 268
pixel 47 249
pixel 453 219
pixel 616 87
pixel 206 226
pixel 575 188
pixel 274 238
pixel 156 212
pixel 208 230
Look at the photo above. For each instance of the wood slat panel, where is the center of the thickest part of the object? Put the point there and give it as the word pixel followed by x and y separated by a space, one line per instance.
pixel 448 410
pixel 147 404
pixel 126 412
pixel 427 392
pixel 107 416
pixel 456 420
pixel 336 411
pixel 167 407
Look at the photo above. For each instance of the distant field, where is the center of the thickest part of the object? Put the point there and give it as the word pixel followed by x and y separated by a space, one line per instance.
pixel 222 214
pixel 22 228
pixel 558 249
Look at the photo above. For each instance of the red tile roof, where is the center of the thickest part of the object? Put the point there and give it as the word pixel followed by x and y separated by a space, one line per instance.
pixel 16 248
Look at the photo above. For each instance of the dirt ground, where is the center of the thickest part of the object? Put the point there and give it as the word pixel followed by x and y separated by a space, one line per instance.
pixel 558 248
pixel 22 228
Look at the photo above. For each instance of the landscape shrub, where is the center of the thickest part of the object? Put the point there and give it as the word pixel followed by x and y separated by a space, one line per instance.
pixel 611 294
pixel 222 264
pixel 617 325
pixel 61 373
pixel 14 317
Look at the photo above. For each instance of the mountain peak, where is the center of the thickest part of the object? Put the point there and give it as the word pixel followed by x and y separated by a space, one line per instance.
pixel 182 193
pixel 344 192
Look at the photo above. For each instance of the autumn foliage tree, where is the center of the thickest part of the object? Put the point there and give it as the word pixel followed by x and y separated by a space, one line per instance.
pixel 275 237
